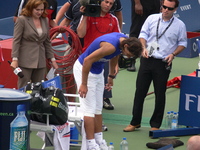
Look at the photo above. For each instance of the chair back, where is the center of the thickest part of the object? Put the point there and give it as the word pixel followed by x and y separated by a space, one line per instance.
pixel 56 82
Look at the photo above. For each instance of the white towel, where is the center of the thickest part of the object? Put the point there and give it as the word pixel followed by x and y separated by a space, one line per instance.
pixel 41 135
pixel 84 141
pixel 61 139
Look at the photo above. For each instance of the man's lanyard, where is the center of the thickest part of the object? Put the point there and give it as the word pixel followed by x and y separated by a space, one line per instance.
pixel 158 37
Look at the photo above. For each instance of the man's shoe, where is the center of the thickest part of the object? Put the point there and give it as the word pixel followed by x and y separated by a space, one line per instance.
pixel 153 128
pixel 131 128
pixel 103 145
pixel 107 104
pixel 104 128
pixel 132 68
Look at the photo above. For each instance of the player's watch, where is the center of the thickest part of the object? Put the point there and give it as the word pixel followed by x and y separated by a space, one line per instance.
pixel 111 76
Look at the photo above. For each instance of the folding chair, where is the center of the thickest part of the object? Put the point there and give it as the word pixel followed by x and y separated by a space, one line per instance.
pixel 56 82
pixel 74 115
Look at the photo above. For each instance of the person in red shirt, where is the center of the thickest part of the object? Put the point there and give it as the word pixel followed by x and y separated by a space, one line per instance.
pixel 90 28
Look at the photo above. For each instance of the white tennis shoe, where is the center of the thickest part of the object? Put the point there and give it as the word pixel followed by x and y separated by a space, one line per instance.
pixel 96 147
pixel 103 145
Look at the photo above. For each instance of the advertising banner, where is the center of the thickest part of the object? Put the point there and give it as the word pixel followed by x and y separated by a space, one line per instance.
pixel 189 104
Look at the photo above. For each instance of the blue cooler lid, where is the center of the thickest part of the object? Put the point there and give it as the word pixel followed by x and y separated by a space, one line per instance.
pixel 13 95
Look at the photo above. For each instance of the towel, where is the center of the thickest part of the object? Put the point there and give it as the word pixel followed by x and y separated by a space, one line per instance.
pixel 61 139
pixel 84 141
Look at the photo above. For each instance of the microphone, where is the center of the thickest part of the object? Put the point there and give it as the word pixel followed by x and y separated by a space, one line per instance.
pixel 17 71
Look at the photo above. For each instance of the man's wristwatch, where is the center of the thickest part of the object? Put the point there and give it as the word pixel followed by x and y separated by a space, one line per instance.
pixel 173 54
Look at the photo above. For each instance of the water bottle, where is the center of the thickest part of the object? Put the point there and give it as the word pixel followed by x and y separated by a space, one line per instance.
pixel 175 121
pixel 168 120
pixel 111 146
pixel 171 114
pixel 124 144
pixel 19 130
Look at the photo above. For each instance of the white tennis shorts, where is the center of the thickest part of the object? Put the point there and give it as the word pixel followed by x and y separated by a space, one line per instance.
pixel 93 102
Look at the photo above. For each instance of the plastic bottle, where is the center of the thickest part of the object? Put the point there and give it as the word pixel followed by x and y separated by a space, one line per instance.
pixel 124 144
pixel 168 120
pixel 171 115
pixel 175 121
pixel 19 130
pixel 111 146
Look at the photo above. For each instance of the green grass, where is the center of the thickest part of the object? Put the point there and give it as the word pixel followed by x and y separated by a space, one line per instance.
pixel 123 94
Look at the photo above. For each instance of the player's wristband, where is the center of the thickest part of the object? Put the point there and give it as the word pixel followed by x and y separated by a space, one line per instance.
pixel 111 76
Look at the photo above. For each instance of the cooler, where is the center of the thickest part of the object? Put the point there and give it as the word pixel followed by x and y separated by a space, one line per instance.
pixel 14 130
pixel 73 133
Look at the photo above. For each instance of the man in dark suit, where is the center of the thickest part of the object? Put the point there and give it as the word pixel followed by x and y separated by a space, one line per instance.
pixel 140 10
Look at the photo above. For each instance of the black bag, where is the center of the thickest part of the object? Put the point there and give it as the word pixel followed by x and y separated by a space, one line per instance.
pixel 49 100
pixel 35 90
pixel 163 142
pixel 55 103
pixel 124 62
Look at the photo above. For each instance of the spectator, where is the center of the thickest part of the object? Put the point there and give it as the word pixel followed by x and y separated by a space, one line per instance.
pixel 62 11
pixel 193 143
pixel 70 13
pixel 88 72
pixel 140 10
pixel 163 36
pixel 31 43
pixel 51 11
pixel 97 26
pixel 117 11
pixel 72 18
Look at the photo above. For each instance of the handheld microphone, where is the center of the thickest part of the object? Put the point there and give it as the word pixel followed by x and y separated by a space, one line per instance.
pixel 17 71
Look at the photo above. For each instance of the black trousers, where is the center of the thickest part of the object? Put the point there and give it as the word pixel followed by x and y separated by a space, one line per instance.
pixel 149 7
pixel 151 69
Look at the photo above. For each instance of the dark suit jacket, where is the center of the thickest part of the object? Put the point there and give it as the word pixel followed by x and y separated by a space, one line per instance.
pixel 30 48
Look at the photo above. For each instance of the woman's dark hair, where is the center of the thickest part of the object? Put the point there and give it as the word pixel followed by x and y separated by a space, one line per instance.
pixel 32 4
pixel 134 46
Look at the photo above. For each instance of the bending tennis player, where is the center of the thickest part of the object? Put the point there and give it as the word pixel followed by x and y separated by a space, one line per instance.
pixel 88 73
